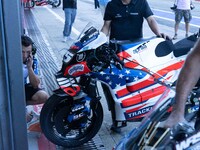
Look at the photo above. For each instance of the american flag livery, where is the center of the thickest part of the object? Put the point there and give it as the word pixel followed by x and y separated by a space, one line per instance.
pixel 135 89
pixel 134 102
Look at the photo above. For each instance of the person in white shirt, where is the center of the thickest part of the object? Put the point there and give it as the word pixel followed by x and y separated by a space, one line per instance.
pixel 34 94
pixel 182 10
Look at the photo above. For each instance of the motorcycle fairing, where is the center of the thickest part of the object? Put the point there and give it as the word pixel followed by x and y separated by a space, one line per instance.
pixel 137 90
pixel 68 85
pixel 126 44
pixel 145 54
pixel 76 66
pixel 167 73
pixel 134 101
pixel 139 110
pixel 145 95
pixel 77 69
pixel 136 105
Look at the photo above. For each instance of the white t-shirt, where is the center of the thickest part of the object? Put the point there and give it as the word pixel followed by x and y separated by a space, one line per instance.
pixel 183 4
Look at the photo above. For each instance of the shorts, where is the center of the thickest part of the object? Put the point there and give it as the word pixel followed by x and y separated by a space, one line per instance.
pixel 30 91
pixel 179 14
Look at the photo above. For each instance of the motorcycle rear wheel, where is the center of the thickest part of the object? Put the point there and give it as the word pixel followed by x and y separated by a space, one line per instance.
pixel 55 3
pixel 29 4
pixel 71 137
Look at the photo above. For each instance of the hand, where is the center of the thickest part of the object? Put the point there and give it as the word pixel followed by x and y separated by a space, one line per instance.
pixel 173 120
pixel 162 35
pixel 29 61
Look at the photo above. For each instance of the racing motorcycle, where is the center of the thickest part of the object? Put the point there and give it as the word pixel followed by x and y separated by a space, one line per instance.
pixel 134 74
pixel 151 135
pixel 32 3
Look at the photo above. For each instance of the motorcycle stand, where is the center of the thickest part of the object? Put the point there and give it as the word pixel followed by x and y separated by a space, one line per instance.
pixel 116 128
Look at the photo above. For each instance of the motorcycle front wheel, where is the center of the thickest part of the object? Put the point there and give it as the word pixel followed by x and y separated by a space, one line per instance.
pixel 59 127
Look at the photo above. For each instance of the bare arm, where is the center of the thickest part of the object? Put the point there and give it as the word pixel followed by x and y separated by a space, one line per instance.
pixel 34 80
pixel 154 27
pixel 106 27
pixel 187 79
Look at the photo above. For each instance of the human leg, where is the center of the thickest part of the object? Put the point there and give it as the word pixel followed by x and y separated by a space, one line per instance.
pixel 186 29
pixel 73 16
pixel 175 30
pixel 187 18
pixel 66 30
pixel 39 97
pixel 35 96
pixel 178 17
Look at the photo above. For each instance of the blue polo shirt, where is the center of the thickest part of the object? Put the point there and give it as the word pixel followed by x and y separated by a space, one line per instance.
pixel 127 20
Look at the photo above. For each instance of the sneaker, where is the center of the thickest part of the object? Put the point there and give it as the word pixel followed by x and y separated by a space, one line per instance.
pixel 175 37
pixel 186 35
pixel 67 38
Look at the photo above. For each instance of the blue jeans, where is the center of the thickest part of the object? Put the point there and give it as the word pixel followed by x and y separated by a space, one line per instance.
pixel 70 15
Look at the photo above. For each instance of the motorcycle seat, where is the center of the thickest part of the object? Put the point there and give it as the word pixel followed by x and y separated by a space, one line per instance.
pixel 164 48
pixel 183 46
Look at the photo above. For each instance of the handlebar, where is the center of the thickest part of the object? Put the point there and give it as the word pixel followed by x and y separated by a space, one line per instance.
pixel 119 63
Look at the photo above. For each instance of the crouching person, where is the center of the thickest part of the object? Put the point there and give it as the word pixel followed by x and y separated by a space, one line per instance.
pixel 34 94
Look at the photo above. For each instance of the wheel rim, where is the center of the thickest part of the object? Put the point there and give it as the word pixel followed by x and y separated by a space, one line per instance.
pixel 63 129
pixel 56 2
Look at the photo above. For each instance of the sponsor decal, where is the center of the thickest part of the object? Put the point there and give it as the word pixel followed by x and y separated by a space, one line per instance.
pixel 188 142
pixel 139 112
pixel 76 68
pixel 118 16
pixel 91 38
pixel 80 57
pixel 193 109
pixel 140 48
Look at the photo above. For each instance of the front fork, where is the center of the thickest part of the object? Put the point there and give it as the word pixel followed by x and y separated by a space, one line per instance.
pixel 89 86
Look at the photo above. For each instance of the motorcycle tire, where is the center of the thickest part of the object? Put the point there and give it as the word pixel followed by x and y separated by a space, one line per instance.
pixel 55 3
pixel 56 107
pixel 30 4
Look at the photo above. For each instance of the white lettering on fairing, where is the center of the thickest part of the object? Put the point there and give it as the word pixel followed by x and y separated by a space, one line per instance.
pixel 139 112
pixel 75 69
pixel 188 142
